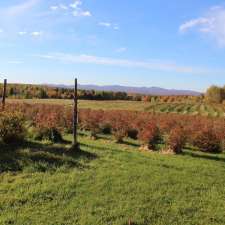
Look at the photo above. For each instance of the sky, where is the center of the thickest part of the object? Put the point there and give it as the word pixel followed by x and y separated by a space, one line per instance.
pixel 176 44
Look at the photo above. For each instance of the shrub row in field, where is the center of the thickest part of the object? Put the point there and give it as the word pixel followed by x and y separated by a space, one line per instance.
pixel 151 129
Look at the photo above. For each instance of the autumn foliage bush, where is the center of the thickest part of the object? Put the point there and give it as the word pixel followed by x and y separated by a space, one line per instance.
pixel 208 140
pixel 91 120
pixel 150 135
pixel 47 126
pixel 176 140
pixel 120 125
pixel 11 127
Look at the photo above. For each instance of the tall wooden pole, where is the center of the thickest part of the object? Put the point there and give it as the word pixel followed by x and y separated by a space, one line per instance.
pixel 75 116
pixel 4 94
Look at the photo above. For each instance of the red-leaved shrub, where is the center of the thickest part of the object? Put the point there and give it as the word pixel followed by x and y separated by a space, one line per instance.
pixel 11 127
pixel 150 135
pixel 176 140
pixel 48 126
pixel 208 141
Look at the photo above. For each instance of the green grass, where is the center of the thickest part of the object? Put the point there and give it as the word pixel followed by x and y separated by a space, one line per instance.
pixel 203 109
pixel 108 183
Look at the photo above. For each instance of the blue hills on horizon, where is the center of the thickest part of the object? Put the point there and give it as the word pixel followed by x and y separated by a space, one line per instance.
pixel 130 89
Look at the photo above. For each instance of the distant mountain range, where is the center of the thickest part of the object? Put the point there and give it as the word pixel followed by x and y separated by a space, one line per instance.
pixel 136 90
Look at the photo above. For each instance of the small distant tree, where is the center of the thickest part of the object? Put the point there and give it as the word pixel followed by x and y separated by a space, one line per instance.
pixel 223 90
pixel 137 98
pixel 147 98
pixel 42 94
pixel 214 94
pixel 11 91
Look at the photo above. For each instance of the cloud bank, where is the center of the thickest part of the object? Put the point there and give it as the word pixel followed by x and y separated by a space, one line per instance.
pixel 21 8
pixel 211 24
pixel 150 65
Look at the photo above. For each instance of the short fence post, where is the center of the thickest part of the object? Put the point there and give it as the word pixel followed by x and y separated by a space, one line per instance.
pixel 4 94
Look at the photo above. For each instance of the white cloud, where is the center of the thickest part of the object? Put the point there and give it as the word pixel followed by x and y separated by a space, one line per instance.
pixel 121 50
pixel 21 8
pixel 150 65
pixel 107 24
pixel 1 31
pixel 86 13
pixel 81 13
pixel 22 33
pixel 76 4
pixel 211 24
pixel 54 7
pixel 75 9
pixel 36 34
pixel 62 6
pixel 195 22
pixel 104 24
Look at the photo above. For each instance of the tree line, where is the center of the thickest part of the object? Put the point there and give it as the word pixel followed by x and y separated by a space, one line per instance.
pixel 25 91
pixel 214 94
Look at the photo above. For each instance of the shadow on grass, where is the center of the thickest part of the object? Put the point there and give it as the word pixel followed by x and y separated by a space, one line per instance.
pixel 99 136
pixel 41 157
pixel 83 134
pixel 104 148
pixel 201 155
pixel 131 143
pixel 191 153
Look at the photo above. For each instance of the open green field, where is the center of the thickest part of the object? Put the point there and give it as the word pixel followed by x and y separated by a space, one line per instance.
pixel 202 109
pixel 108 183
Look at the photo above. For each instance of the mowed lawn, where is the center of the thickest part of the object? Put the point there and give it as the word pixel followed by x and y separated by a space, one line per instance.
pixel 203 109
pixel 108 183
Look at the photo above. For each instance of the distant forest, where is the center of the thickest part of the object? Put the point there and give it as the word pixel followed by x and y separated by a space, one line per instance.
pixel 25 91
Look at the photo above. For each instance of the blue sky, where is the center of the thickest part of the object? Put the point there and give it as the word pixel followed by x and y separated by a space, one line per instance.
pixel 171 44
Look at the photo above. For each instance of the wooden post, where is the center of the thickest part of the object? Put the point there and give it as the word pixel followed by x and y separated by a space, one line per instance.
pixel 75 116
pixel 4 94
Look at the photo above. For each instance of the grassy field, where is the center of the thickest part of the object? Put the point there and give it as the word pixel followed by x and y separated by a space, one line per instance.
pixel 182 108
pixel 108 183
